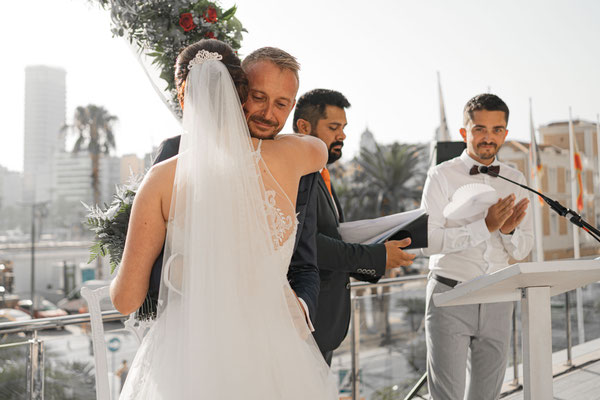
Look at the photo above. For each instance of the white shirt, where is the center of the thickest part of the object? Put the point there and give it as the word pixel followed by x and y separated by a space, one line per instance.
pixel 465 249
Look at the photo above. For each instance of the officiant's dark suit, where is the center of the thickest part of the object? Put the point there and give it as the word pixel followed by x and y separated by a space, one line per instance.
pixel 320 113
pixel 303 274
pixel 338 261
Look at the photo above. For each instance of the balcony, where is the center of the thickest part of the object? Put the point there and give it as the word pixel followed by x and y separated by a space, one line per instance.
pixel 385 349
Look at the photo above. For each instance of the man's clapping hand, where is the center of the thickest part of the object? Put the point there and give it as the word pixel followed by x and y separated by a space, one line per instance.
pixel 499 213
pixel 505 215
pixel 517 216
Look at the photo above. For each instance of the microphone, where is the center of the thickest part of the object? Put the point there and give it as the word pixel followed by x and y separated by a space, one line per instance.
pixel 554 205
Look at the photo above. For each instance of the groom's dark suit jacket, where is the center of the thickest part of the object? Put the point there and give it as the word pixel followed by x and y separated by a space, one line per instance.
pixel 303 274
pixel 338 261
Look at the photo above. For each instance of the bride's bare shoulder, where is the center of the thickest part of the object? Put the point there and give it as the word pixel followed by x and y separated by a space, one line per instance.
pixel 160 176
pixel 306 151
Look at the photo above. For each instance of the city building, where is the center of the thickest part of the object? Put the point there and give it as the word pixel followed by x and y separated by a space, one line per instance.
pixel 11 187
pixel 131 165
pixel 72 177
pixel 45 109
pixel 555 182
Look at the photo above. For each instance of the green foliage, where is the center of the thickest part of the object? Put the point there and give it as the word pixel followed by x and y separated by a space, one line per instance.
pixel 110 223
pixel 70 380
pixel 387 180
pixel 13 372
pixel 93 126
pixel 154 28
pixel 63 380
pixel 387 393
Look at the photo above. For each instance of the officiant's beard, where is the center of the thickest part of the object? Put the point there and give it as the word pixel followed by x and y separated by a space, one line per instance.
pixel 486 155
pixel 335 155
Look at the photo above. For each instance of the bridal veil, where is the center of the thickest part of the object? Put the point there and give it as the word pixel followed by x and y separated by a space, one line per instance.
pixel 228 325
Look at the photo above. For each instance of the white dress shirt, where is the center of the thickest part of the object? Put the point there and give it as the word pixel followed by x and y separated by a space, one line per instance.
pixel 465 249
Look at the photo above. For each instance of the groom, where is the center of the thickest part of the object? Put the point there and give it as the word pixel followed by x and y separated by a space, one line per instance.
pixel 272 87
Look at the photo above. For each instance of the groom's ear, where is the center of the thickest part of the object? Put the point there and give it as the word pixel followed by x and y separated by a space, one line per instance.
pixel 303 126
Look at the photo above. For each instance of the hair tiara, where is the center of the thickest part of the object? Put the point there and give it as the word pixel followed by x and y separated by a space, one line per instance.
pixel 203 56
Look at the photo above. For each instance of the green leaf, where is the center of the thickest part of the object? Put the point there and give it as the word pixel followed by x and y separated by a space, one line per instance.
pixel 229 13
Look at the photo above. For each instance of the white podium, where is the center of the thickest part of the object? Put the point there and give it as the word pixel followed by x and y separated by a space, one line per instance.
pixel 533 284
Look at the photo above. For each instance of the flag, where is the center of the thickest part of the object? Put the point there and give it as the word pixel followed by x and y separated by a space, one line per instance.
pixel 578 170
pixel 535 162
pixel 577 166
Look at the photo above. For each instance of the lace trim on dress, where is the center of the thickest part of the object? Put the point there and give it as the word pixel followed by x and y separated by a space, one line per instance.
pixel 278 221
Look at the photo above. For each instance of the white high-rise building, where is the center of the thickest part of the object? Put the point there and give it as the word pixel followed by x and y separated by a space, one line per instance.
pixel 10 187
pixel 72 177
pixel 45 109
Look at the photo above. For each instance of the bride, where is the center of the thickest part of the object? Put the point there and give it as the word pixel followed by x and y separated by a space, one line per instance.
pixel 229 326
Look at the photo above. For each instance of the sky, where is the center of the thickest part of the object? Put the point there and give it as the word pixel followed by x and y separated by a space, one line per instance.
pixel 382 54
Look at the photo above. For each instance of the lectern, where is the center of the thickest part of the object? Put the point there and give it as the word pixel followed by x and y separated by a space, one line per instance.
pixel 533 284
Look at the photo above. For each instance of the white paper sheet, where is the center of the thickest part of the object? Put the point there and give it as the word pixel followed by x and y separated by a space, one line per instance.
pixel 368 231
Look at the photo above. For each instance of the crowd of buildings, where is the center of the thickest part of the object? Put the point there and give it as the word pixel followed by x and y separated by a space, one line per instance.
pixel 555 182
pixel 52 173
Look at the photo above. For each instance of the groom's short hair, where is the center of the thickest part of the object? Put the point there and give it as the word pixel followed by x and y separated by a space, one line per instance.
pixel 311 106
pixel 282 59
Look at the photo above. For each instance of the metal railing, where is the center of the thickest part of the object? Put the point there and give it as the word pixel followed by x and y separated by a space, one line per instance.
pixel 35 361
pixel 355 343
pixel 36 349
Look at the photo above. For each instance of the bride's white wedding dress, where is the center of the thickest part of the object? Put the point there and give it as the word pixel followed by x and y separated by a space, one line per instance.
pixel 229 326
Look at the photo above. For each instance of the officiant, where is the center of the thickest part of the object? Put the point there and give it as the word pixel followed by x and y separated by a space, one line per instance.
pixel 321 113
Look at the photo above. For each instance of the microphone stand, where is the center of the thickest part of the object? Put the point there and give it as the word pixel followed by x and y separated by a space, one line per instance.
pixel 554 205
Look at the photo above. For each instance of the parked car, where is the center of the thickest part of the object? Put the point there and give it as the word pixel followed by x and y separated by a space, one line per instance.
pixel 75 304
pixel 13 315
pixel 45 309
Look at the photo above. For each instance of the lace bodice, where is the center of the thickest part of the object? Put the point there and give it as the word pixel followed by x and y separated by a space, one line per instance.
pixel 279 222
pixel 280 210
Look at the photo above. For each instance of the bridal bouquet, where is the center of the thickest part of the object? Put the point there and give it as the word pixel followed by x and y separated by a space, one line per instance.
pixel 110 224
pixel 160 29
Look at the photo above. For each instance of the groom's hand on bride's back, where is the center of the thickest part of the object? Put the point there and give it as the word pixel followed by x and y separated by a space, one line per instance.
pixel 396 257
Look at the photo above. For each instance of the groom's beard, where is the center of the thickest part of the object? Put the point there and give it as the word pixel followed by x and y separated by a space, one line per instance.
pixel 262 134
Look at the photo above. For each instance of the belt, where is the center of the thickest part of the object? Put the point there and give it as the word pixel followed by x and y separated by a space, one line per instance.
pixel 445 281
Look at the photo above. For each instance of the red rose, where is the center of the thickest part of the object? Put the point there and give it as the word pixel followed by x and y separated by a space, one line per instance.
pixel 210 15
pixel 210 35
pixel 186 21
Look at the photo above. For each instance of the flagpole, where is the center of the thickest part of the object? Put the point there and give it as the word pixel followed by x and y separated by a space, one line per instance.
pixel 444 132
pixel 597 158
pixel 576 251
pixel 533 170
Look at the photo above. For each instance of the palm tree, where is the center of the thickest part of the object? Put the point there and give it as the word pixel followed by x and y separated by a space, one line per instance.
pixel 93 126
pixel 386 180
pixel 394 176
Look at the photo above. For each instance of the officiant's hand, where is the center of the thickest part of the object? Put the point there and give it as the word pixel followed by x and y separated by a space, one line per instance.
pixel 499 213
pixel 396 257
pixel 517 216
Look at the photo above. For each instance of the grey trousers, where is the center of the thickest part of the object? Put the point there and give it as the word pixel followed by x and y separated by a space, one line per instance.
pixel 460 339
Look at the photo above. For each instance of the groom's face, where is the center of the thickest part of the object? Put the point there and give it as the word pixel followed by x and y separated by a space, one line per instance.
pixel 271 98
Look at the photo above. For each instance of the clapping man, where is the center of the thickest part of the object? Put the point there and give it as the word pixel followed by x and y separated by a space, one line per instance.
pixel 472 338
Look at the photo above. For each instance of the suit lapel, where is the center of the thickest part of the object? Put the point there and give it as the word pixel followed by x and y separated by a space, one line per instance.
pixel 337 204
pixel 325 192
